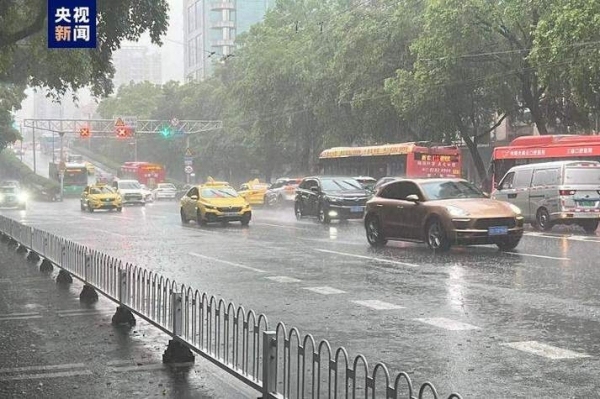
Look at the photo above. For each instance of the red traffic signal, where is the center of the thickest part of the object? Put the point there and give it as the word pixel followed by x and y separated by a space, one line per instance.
pixel 84 132
pixel 123 132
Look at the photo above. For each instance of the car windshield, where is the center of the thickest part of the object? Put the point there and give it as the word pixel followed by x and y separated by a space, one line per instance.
pixel 440 190
pixel 340 184
pixel 582 176
pixel 167 186
pixel 8 190
pixel 129 185
pixel 101 190
pixel 219 192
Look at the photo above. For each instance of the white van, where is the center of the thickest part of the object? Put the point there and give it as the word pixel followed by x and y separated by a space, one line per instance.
pixel 549 193
pixel 131 191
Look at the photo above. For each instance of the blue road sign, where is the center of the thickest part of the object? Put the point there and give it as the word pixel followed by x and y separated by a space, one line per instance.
pixel 71 23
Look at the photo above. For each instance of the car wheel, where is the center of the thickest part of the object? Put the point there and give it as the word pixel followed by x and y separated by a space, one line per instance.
pixel 279 202
pixel 90 208
pixel 323 216
pixel 298 211
pixel 542 220
pixel 508 244
pixel 184 219
pixel 199 219
pixel 246 219
pixel 436 236
pixel 266 201
pixel 374 234
pixel 590 226
pixel 81 206
pixel 119 209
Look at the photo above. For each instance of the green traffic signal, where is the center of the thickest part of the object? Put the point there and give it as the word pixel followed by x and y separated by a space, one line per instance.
pixel 166 132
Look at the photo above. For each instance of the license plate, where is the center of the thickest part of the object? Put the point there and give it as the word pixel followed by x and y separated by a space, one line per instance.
pixel 356 209
pixel 586 203
pixel 497 230
pixel 230 213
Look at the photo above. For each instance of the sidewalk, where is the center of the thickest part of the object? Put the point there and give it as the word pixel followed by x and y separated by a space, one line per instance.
pixel 53 346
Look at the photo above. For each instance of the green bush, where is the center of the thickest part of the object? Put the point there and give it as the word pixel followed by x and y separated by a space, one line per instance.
pixel 12 168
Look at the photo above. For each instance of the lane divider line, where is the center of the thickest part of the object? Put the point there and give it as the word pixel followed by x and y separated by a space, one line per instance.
pixel 537 256
pixel 394 262
pixel 42 368
pixel 46 375
pixel 226 262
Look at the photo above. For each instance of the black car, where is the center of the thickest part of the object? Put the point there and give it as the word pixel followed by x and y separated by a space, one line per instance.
pixel 330 198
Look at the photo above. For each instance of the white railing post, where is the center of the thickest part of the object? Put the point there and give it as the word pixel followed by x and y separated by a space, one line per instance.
pixel 123 294
pixel 177 312
pixel 269 363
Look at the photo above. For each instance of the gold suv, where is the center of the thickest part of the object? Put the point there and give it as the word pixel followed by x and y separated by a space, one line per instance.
pixel 100 196
pixel 214 202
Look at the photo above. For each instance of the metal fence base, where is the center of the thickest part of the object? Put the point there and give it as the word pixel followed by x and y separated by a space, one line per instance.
pixel 88 294
pixel 22 249
pixel 64 278
pixel 123 317
pixel 177 352
pixel 33 257
pixel 46 266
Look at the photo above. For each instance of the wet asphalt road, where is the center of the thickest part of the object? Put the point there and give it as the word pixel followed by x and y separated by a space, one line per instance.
pixel 476 321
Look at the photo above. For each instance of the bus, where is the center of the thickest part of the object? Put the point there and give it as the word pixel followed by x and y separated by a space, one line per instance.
pixel 146 173
pixel 75 179
pixel 535 149
pixel 49 142
pixel 412 160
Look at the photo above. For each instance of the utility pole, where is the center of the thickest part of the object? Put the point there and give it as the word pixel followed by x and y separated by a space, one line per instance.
pixel 34 150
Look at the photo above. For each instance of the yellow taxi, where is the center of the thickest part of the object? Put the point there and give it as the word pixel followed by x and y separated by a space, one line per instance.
pixel 100 196
pixel 91 169
pixel 254 192
pixel 214 201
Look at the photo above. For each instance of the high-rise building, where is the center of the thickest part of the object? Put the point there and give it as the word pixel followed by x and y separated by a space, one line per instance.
pixel 136 64
pixel 210 29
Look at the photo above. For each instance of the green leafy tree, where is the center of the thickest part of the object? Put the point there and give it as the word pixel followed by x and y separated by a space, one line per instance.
pixel 25 59
pixel 139 99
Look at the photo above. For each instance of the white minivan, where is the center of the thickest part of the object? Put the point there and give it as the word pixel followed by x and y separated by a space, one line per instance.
pixel 549 193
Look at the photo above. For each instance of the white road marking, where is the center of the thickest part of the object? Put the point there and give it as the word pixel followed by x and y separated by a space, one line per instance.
pixel 120 362
pixel 448 324
pixel 278 225
pixel 325 290
pixel 284 279
pixel 378 305
pixel 537 256
pixel 544 350
pixel 9 317
pixel 85 313
pixel 90 218
pixel 47 375
pixel 19 314
pixel 227 262
pixel 394 262
pixel 42 368
pixel 594 239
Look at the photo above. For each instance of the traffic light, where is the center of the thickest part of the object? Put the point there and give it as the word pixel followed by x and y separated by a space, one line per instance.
pixel 122 132
pixel 84 132
pixel 166 131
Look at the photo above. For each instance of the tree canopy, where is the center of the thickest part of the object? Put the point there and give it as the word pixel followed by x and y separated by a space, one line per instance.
pixel 25 59
pixel 322 73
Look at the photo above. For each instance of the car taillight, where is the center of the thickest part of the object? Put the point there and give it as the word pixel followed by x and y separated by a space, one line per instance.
pixel 567 192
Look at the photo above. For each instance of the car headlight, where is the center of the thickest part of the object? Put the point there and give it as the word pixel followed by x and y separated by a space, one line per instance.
pixel 23 197
pixel 515 208
pixel 208 206
pixel 1 197
pixel 456 211
pixel 334 200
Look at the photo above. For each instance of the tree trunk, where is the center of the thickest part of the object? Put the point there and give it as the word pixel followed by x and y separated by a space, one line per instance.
pixel 479 165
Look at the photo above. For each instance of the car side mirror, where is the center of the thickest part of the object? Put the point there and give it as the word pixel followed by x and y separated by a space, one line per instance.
pixel 315 190
pixel 413 197
pixel 194 197
pixel 487 195
pixel 495 186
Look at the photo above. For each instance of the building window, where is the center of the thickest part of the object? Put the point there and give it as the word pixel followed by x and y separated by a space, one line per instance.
pixel 191 19
pixel 191 53
pixel 199 52
pixel 198 13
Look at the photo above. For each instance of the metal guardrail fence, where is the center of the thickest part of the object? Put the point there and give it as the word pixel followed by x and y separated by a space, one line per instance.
pixel 279 363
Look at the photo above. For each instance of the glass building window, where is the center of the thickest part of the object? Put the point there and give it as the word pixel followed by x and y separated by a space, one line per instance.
pixel 198 12
pixel 191 53
pixel 191 20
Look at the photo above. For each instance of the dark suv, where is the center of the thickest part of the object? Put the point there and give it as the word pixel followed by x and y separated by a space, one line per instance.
pixel 330 198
